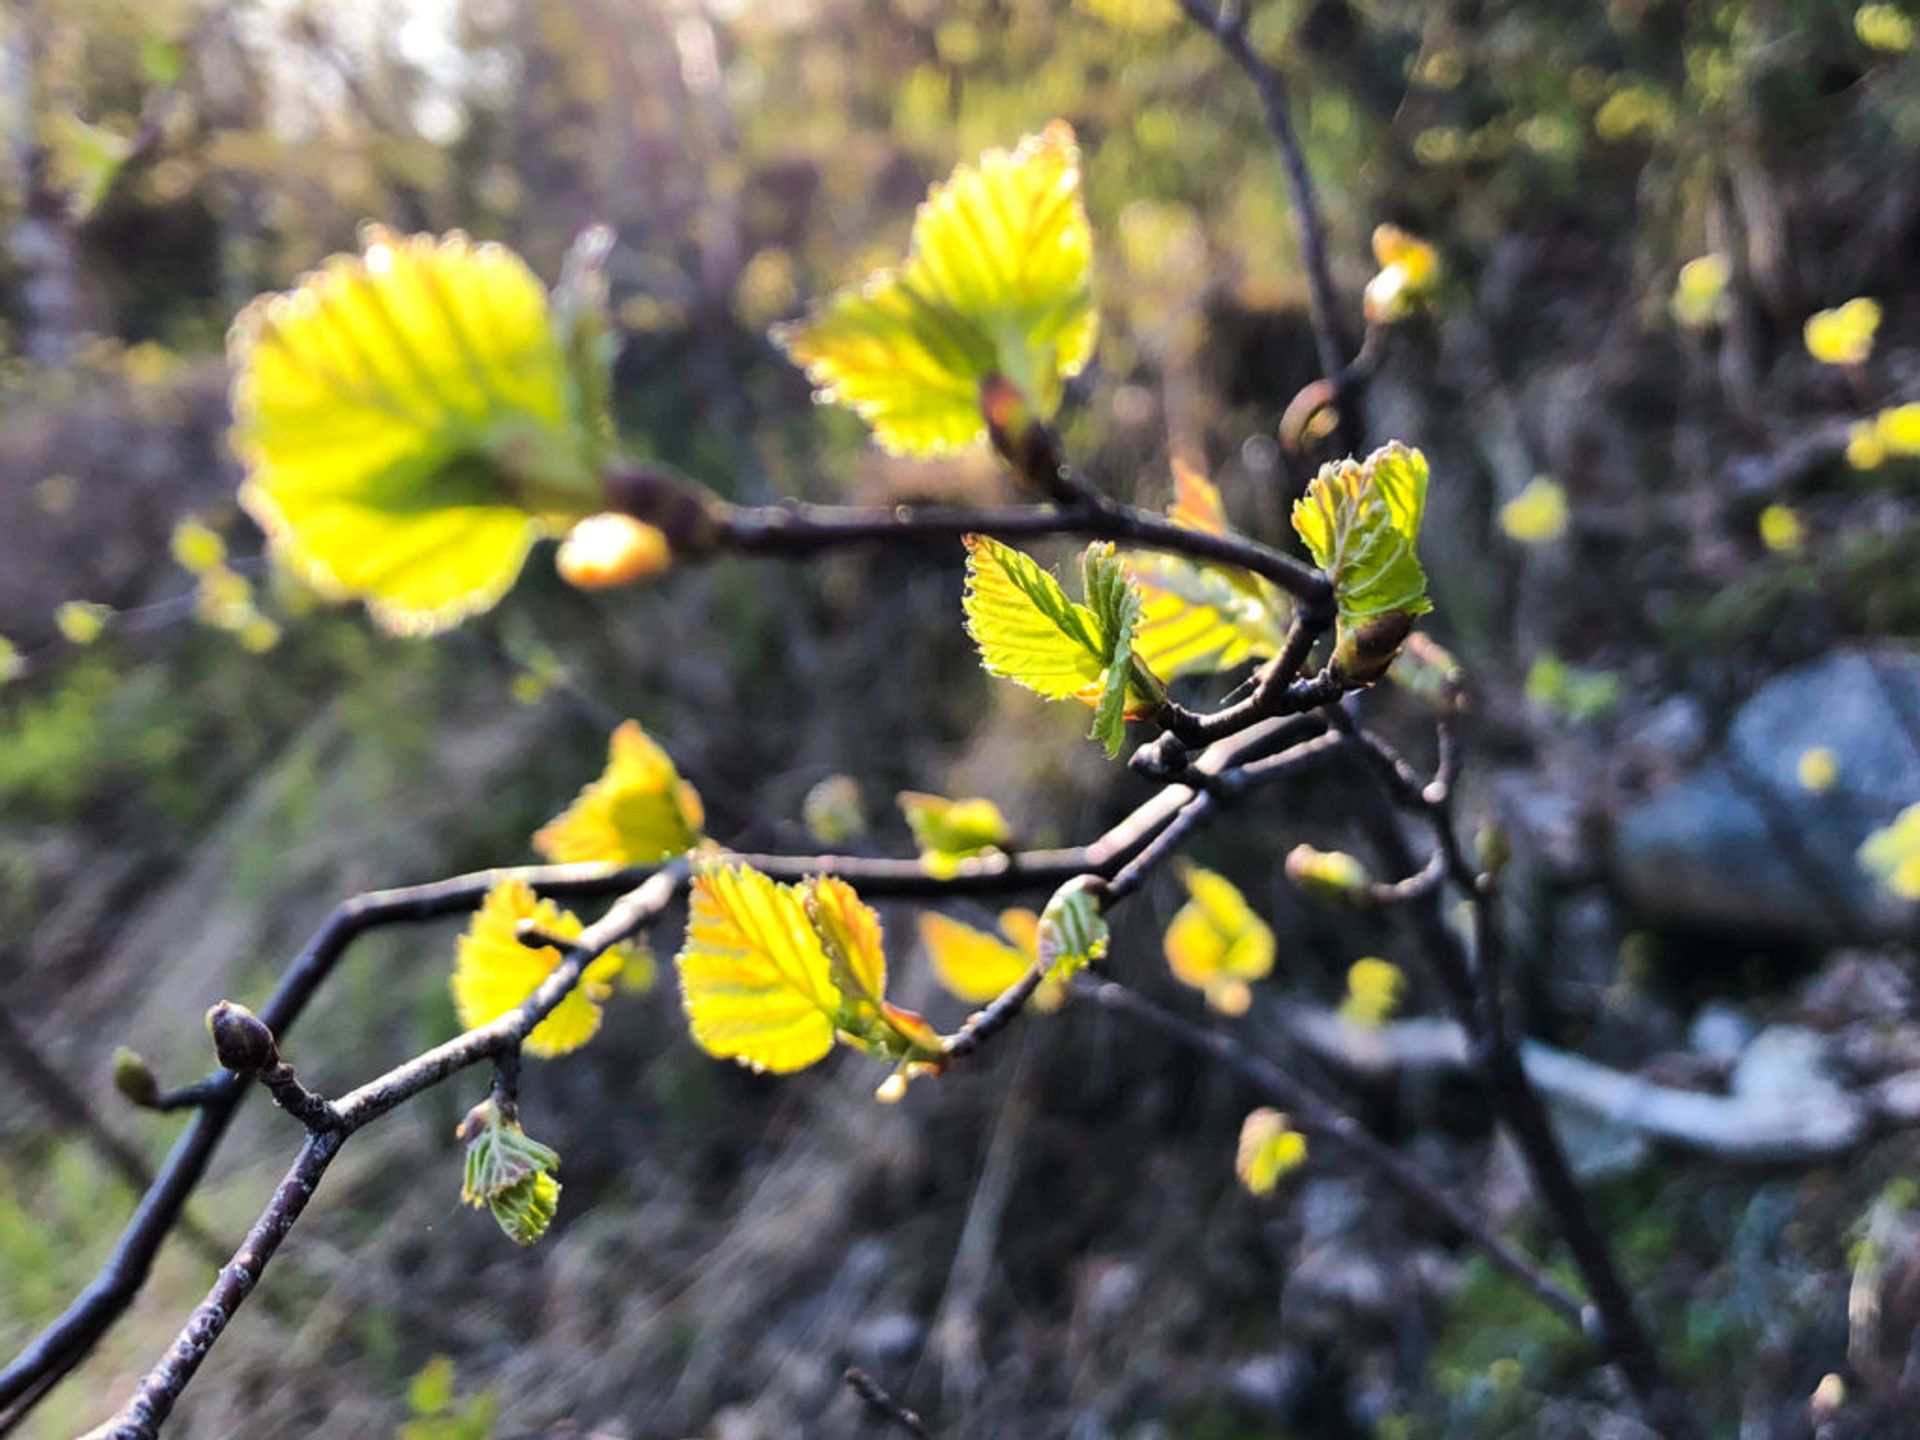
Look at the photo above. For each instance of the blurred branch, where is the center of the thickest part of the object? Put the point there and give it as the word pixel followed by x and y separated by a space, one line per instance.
pixel 883 1406
pixel 1227 23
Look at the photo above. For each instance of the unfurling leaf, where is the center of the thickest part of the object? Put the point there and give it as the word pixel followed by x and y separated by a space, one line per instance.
pixel 494 973
pixel 1373 991
pixel 637 812
pixel 1072 933
pixel 1892 854
pixel 1197 618
pixel 949 831
pixel 1361 522
pixel 976 967
pixel 997 282
pixel 1029 632
pixel 1216 943
pixel 1844 334
pixel 1270 1150
pixel 509 1173
pixel 772 974
pixel 411 422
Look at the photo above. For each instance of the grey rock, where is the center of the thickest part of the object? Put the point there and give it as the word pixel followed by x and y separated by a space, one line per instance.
pixel 1740 844
pixel 1719 1034
pixel 1784 1062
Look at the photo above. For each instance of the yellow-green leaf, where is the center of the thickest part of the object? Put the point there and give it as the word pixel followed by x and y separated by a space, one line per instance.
pixel 949 831
pixel 1818 769
pixel 755 980
pixel 1892 854
pixel 1361 523
pixel 997 281
pixel 197 548
pixel 1781 529
pixel 1844 334
pixel 975 966
pixel 1270 1149
pixel 831 811
pixel 1700 291
pixel 12 663
pixel 1027 629
pixel 82 621
pixel 509 1173
pixel 1408 276
pixel 1885 27
pixel 1197 618
pixel 637 812
pixel 494 973
pixel 1538 514
pixel 410 424
pixel 1216 943
pixel 1373 991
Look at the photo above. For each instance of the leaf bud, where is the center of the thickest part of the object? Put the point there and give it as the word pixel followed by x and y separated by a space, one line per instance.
pixel 134 1079
pixel 608 550
pixel 242 1042
pixel 1331 876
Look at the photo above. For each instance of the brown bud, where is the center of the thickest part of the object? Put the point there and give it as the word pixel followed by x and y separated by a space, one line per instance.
pixel 1023 440
pixel 1362 654
pixel 241 1041
pixel 133 1078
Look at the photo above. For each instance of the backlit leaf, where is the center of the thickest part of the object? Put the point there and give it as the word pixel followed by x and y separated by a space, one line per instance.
pixel 949 831
pixel 494 973
pixel 410 425
pixel 975 966
pixel 1408 276
pixel 997 281
pixel 755 980
pixel 1700 291
pixel 1361 523
pixel 637 812
pixel 1270 1149
pixel 1216 943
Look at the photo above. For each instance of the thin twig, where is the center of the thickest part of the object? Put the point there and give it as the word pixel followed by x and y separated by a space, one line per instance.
pixel 1318 1117
pixel 883 1405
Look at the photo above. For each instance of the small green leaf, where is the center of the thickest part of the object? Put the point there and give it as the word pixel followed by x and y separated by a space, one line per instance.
pixel 1270 1149
pixel 510 1174
pixel 1116 603
pixel 1361 523
pixel 1073 930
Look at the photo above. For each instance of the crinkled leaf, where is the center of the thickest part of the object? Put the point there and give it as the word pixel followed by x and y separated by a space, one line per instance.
pixel 949 831
pixel 1116 606
pixel 1216 943
pixel 1027 629
pixel 755 980
pixel 1072 933
pixel 637 812
pixel 511 1175
pixel 410 424
pixel 997 280
pixel 1270 1149
pixel 494 973
pixel 1361 523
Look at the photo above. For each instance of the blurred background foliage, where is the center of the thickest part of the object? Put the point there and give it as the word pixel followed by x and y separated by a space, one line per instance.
pixel 1051 1244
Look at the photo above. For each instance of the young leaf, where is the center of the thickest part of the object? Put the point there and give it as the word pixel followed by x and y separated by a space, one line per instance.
pixel 494 973
pixel 1197 618
pixel 1538 514
pixel 1029 632
pixel 1844 334
pixel 510 1174
pixel 1361 522
pixel 410 424
pixel 949 831
pixel 997 281
pixel 637 812
pixel 849 931
pixel 1270 1150
pixel 1072 933
pixel 975 966
pixel 1216 943
pixel 755 979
